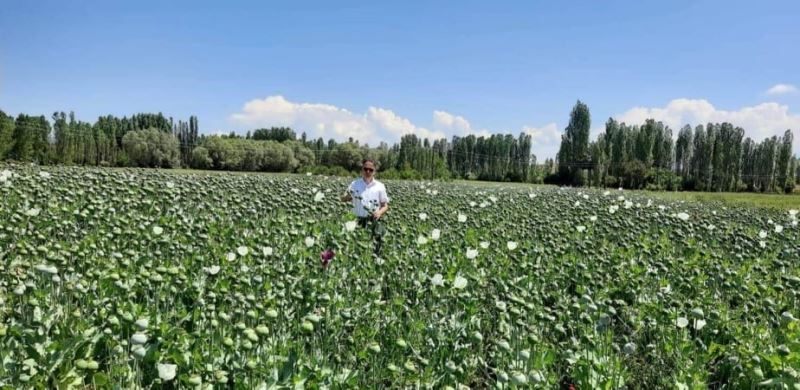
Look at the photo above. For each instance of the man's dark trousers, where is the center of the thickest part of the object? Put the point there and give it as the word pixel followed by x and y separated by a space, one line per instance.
pixel 377 230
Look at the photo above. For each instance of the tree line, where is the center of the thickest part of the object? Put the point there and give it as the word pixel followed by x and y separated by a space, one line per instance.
pixel 139 140
pixel 154 140
pixel 712 157
pixel 497 157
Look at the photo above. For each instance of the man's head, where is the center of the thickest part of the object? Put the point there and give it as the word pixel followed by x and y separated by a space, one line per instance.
pixel 368 168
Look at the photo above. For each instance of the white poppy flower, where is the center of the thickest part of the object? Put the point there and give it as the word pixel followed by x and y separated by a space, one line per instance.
pixel 44 175
pixel 437 280
pixel 511 245
pixel 230 256
pixel 422 240
pixel 793 212
pixel 628 204
pixel 267 251
pixel 423 216
pixel 577 203
pixel 762 244
pixel 309 242
pixel 242 251
pixel 157 230
pixel 170 185
pixel 613 209
pixel 319 196
pixel 484 244
pixel 166 371
pixel 138 338
pixel 472 253
pixel 435 234
pixel 213 270
pixel 778 228
pixel 593 218
pixel 350 225
pixel 47 269
pixel 459 283
pixel 762 234
pixel 699 324
pixel 142 323
pixel 33 212
pixel 580 228
pixel 462 217
pixel 139 351
pixel 683 216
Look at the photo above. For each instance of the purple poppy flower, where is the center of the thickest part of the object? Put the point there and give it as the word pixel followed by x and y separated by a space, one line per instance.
pixel 326 256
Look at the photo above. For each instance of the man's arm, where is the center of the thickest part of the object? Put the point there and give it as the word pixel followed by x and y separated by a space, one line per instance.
pixel 380 211
pixel 384 202
pixel 348 195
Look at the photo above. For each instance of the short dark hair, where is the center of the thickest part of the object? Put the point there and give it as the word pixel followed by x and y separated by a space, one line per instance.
pixel 366 160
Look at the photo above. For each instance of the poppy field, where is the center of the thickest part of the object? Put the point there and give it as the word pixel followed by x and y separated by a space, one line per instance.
pixel 150 279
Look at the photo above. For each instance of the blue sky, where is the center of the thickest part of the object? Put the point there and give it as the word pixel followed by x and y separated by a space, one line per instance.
pixel 376 70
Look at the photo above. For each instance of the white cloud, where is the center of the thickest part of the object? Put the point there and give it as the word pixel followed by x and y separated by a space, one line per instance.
pixel 759 121
pixel 399 126
pixel 546 134
pixel 546 140
pixel 456 125
pixel 447 120
pixel 381 124
pixel 373 126
pixel 781 89
pixel 328 121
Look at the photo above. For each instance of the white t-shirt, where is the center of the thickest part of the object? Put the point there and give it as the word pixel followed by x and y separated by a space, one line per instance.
pixel 367 197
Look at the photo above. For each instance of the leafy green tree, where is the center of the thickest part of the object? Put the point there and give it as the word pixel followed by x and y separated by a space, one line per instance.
pixel 301 153
pixel 279 134
pixel 152 148
pixel 701 162
pixel 785 170
pixel 6 134
pixel 574 149
pixel 683 152
pixel 24 137
pixel 348 156
pixel 200 158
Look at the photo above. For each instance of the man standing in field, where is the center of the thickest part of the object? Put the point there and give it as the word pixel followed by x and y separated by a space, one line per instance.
pixel 370 202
